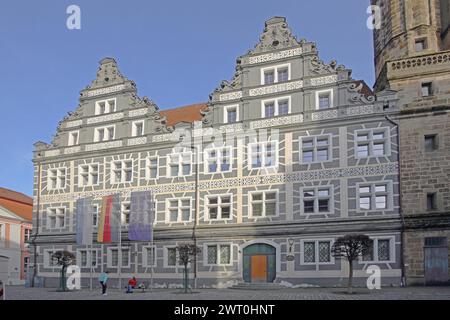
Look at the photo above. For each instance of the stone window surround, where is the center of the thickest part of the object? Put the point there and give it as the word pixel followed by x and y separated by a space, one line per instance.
pixel 148 167
pixel 123 171
pixel 179 208
pixel 375 250
pixel 218 206
pixel 218 244
pixel 74 142
pixel 60 211
pixel 250 154
pixel 331 98
pixel 225 112
pixel 48 261
pixel 107 106
pixel 89 172
pixel 106 133
pixel 316 197
pixel 370 132
pixel 316 137
pixel 89 255
pixel 180 163
pixel 275 70
pixel 263 192
pixel 276 105
pixel 109 257
pixel 145 252
pixel 166 257
pixel 218 158
pixel 134 128
pixel 58 175
pixel 316 241
pixel 389 192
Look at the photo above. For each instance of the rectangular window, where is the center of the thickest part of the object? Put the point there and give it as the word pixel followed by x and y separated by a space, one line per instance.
pixel 114 259
pixel 431 142
pixel 276 107
pixel 149 256
pixel 219 254
pixel 231 115
pixel 95 212
pixel 180 164
pixel 105 106
pixel 275 74
pixel 56 179
pixel 49 262
pixel 324 100
pixel 125 214
pixel 138 129
pixel 373 196
pixel 315 149
pixel 218 207
pixel 56 218
pixel 420 45
pixel 263 204
pixel 104 134
pixel 378 251
pixel 316 252
pixel 87 258
pixel 73 138
pixel 316 200
pixel 151 168
pixel 26 236
pixel 172 258
pixel 263 154
pixel 371 143
pixel 218 160
pixel 122 171
pixel 431 201
pixel 88 175
pixel 427 89
pixel 179 210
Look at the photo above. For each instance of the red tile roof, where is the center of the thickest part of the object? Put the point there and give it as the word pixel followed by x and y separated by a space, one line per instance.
pixel 17 202
pixel 189 114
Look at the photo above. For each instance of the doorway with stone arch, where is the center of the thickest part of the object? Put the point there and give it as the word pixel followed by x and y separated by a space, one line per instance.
pixel 259 264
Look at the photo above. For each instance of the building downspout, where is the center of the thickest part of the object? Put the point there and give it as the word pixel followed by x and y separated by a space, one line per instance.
pixel 37 227
pixel 402 230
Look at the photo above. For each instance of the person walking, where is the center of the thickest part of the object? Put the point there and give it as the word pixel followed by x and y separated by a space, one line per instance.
pixel 103 278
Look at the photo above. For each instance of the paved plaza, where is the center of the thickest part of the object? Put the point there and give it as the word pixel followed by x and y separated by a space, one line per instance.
pixel 411 293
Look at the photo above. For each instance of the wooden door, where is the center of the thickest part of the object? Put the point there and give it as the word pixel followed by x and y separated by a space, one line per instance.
pixel 259 268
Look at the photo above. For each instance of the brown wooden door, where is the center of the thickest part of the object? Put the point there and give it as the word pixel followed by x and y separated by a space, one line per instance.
pixel 259 268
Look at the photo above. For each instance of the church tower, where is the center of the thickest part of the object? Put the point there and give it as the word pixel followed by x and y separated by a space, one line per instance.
pixel 412 57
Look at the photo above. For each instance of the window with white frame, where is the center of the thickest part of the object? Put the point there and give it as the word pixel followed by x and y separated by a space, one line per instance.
pixel 88 175
pixel 371 143
pixel 105 106
pixel 263 154
pixel 218 207
pixel 380 250
pixel 315 252
pixel 324 99
pixel 178 210
pixel 125 213
pixel 263 203
pixel 2 233
pixel 26 235
pixel 171 257
pixel 122 171
pixel 95 215
pixel 180 164
pixel 275 107
pixel 151 168
pixel 113 257
pixel 316 200
pixel 49 262
pixel 315 149
pixel 149 256
pixel 56 179
pixel 56 218
pixel 374 196
pixel 73 138
pixel 218 254
pixel 87 258
pixel 231 114
pixel 138 128
pixel 218 160
pixel 275 74
pixel 104 134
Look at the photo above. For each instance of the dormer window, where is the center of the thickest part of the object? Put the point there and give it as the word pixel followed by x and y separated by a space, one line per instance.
pixel 105 106
pixel 275 74
pixel 73 138
pixel 138 128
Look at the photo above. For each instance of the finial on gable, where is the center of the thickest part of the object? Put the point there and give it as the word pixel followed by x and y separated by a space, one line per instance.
pixel 108 74
pixel 276 35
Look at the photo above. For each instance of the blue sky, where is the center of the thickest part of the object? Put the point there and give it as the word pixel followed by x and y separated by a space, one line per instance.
pixel 177 52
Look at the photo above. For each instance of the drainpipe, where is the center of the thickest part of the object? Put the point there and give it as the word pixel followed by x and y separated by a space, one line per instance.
pixel 402 230
pixel 37 227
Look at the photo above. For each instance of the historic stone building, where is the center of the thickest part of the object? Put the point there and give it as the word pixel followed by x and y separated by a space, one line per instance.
pixel 293 154
pixel 412 58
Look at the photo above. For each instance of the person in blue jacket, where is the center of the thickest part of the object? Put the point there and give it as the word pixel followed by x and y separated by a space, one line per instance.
pixel 103 278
